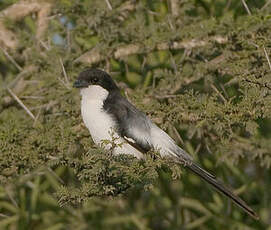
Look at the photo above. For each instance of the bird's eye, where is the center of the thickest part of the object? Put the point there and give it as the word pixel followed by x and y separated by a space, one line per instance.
pixel 94 80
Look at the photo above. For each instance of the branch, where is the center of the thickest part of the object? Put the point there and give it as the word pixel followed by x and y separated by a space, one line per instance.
pixel 11 59
pixel 174 5
pixel 267 57
pixel 7 38
pixel 246 7
pixel 21 103
pixel 18 11
pixel 108 4
pixel 95 56
pixel 43 19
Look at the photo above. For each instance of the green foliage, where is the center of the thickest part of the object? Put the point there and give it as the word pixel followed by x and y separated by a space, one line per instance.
pixel 213 99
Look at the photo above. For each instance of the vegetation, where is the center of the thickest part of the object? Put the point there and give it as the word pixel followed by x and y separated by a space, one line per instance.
pixel 200 69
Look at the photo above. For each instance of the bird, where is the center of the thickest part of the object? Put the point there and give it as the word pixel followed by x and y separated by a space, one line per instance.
pixel 110 117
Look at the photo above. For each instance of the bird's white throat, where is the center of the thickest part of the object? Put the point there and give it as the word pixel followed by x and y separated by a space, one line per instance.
pixel 94 92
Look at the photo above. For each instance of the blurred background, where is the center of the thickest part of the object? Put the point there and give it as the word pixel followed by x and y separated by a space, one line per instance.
pixel 199 68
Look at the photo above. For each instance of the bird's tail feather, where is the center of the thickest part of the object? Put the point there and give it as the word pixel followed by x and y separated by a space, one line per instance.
pixel 211 179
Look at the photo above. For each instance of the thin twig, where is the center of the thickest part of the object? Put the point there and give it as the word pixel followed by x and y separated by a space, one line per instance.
pixel 47 106
pixel 3 215
pixel 217 91
pixel 37 117
pixel 266 55
pixel 227 6
pixel 108 4
pixel 170 24
pixel 44 45
pixel 21 104
pixel 197 149
pixel 143 63
pixel 107 65
pixel 11 59
pixel 266 4
pixel 208 148
pixel 224 90
pixel 31 184
pixel 68 39
pixel 173 62
pixel 14 81
pixel 64 72
pixel 11 198
pixel 165 96
pixel 31 97
pixel 246 7
pixel 63 83
pixel 177 134
pixel 55 175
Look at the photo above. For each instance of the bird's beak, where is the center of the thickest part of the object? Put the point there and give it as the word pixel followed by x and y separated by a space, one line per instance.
pixel 80 84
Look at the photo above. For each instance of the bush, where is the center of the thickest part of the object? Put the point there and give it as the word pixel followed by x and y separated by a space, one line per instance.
pixel 199 69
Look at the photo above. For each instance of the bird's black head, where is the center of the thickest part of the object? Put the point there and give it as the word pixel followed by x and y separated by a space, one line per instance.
pixel 92 76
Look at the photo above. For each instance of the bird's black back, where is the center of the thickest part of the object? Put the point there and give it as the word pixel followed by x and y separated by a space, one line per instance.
pixel 130 121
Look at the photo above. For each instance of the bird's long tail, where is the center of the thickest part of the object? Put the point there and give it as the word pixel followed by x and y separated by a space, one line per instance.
pixel 211 179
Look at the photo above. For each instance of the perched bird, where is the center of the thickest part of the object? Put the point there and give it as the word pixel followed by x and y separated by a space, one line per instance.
pixel 109 116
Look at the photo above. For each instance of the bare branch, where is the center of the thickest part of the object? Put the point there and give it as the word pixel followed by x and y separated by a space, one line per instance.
pixel 217 91
pixel 8 192
pixel 27 70
pixel 3 215
pixel 7 38
pixel 11 59
pixel 44 45
pixel 18 84
pixel 19 10
pixel 90 57
pixel 108 4
pixel 64 72
pixel 128 50
pixel 267 57
pixel 55 175
pixel 165 96
pixel 246 7
pixel 178 135
pixel 174 7
pixel 266 4
pixel 37 117
pixel 94 56
pixel 42 23
pixel 14 12
pixel 21 104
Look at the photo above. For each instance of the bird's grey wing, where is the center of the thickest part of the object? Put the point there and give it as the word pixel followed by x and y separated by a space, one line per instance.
pixel 139 130
pixel 134 126
pixel 142 134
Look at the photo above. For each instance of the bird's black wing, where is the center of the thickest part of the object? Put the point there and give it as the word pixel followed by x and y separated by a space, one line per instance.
pixel 135 127
pixel 132 124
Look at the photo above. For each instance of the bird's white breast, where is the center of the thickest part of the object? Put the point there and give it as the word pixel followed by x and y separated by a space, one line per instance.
pixel 99 123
